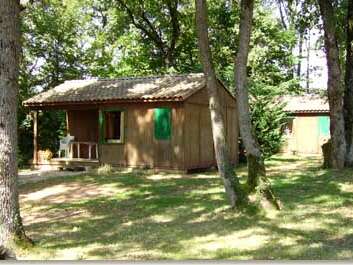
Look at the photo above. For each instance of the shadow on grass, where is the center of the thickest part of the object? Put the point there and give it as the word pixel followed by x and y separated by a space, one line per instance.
pixel 163 218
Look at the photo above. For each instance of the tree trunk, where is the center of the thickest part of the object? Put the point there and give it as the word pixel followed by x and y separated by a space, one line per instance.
pixel 6 254
pixel 256 165
pixel 335 90
pixel 348 95
pixel 11 228
pixel 255 162
pixel 307 78
pixel 230 180
pixel 300 55
pixel 281 12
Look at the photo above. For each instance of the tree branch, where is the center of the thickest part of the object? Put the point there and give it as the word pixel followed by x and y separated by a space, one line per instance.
pixel 148 30
pixel 173 11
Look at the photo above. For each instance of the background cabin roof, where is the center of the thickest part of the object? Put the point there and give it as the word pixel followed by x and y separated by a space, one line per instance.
pixel 155 88
pixel 308 103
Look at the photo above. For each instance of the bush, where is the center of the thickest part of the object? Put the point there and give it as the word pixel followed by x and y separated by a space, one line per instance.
pixel 105 169
pixel 268 119
pixel 267 112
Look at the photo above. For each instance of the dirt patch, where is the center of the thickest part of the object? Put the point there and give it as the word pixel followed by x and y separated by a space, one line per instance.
pixel 31 175
pixel 68 192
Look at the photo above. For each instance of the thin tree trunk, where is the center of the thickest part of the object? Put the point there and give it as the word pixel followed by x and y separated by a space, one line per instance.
pixel 256 165
pixel 11 228
pixel 300 55
pixel 281 12
pixel 308 62
pixel 230 180
pixel 348 95
pixel 335 90
pixel 255 162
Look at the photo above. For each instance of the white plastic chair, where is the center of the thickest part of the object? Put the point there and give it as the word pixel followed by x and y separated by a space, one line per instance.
pixel 65 144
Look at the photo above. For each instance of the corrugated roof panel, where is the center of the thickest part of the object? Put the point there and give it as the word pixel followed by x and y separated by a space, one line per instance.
pixel 306 103
pixel 170 87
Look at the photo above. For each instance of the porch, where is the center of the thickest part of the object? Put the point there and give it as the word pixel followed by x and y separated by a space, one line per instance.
pixel 67 163
pixel 81 152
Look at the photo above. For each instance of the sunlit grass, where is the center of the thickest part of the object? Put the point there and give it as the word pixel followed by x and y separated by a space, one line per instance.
pixel 139 216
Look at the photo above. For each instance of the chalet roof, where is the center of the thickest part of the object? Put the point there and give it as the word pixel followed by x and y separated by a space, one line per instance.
pixel 308 103
pixel 155 88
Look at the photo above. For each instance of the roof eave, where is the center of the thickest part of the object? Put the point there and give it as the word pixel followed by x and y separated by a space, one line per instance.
pixel 100 102
pixel 307 111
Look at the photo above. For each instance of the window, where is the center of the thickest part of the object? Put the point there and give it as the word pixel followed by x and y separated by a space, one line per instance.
pixel 162 123
pixel 112 126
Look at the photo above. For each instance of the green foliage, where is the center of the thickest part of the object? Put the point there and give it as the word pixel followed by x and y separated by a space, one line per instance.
pixel 52 53
pixel 268 119
pixel 267 113
pixel 50 128
pixel 271 65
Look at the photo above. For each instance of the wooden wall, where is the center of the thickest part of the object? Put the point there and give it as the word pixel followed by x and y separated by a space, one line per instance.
pixel 191 144
pixel 305 137
pixel 83 124
pixel 199 151
pixel 140 148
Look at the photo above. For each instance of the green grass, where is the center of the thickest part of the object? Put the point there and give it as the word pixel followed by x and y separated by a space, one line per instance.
pixel 143 216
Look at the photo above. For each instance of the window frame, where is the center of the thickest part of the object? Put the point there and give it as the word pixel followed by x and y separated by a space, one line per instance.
pixel 102 127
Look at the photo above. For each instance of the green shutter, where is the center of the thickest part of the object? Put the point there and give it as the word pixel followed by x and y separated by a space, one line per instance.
pixel 324 126
pixel 101 127
pixel 162 123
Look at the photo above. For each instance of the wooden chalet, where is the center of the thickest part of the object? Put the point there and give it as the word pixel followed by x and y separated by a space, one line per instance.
pixel 309 126
pixel 158 122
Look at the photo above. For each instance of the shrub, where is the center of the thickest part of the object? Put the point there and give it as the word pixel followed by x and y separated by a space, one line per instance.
pixel 105 169
pixel 267 112
pixel 268 118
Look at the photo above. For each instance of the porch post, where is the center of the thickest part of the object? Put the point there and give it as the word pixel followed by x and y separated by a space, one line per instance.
pixel 35 137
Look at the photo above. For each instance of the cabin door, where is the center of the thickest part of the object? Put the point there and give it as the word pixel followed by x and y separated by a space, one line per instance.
pixel 307 135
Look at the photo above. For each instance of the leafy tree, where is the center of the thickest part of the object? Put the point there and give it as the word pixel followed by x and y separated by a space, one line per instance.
pixel 268 119
pixel 270 76
pixel 53 51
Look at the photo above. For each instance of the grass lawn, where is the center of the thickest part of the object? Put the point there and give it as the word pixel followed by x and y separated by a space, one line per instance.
pixel 142 216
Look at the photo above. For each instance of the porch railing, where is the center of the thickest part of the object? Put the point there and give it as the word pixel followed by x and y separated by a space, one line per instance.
pixel 78 145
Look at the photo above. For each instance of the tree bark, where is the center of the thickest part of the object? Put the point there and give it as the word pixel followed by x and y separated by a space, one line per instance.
pixel 256 165
pixel 300 55
pixel 6 254
pixel 335 90
pixel 230 180
pixel 11 228
pixel 307 77
pixel 348 95
pixel 281 8
pixel 255 161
